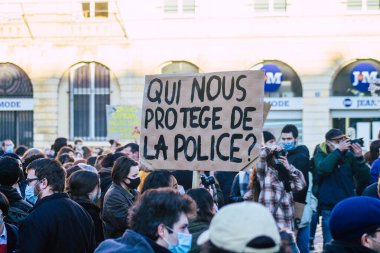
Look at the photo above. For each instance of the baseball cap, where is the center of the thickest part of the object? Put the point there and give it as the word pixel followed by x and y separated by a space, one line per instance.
pixel 236 225
pixel 334 134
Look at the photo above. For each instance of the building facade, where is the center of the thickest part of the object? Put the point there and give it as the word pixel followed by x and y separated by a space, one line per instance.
pixel 62 62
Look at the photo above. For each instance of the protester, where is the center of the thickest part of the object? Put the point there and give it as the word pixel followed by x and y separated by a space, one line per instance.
pixel 158 179
pixel 20 150
pixel 105 172
pixel 10 172
pixel 84 188
pixel 205 211
pixel 374 160
pixel 337 163
pixel 278 180
pixel 299 157
pixel 8 232
pixel 120 196
pixel 58 144
pixel 241 227
pixel 56 223
pixel 159 224
pixel 7 146
pixel 355 226
pixel 239 189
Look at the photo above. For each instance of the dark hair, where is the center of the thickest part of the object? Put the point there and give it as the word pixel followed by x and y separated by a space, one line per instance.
pixel 30 159
pixel 289 128
pixel 134 147
pixel 76 141
pixel 121 169
pixel 52 171
pixel 374 150
pixel 72 169
pixel 156 179
pixel 20 150
pixel 158 206
pixel 205 203
pixel 10 170
pixel 98 162
pixel 81 183
pixel 87 152
pixel 65 150
pixel 13 155
pixel 59 143
pixel 91 160
pixel 65 158
pixel 109 159
pixel 119 149
pixel 4 204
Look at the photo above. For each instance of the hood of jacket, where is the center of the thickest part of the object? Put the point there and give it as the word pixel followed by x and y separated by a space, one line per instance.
pixel 344 247
pixel 129 242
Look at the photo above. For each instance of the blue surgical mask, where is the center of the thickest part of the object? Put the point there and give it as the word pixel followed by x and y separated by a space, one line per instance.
pixel 9 149
pixel 288 145
pixel 184 243
pixel 29 194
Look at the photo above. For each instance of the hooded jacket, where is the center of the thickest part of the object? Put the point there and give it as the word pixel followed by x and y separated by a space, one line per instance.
pixel 336 171
pixel 130 242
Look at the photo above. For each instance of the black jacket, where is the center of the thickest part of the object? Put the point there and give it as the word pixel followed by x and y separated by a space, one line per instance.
pixel 343 247
pixel 12 237
pixel 225 179
pixel 117 201
pixel 94 212
pixel 105 182
pixel 18 208
pixel 300 158
pixel 57 224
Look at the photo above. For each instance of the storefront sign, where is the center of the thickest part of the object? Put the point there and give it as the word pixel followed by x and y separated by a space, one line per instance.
pixel 16 104
pixel 354 103
pixel 273 77
pixel 362 75
pixel 285 103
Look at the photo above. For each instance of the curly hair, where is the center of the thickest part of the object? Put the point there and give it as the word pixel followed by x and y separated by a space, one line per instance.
pixel 159 206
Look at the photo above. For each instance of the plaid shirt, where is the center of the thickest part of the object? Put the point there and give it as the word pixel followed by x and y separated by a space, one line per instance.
pixel 272 189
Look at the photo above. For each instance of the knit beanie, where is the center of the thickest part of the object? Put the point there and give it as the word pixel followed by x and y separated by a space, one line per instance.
pixel 268 136
pixel 353 217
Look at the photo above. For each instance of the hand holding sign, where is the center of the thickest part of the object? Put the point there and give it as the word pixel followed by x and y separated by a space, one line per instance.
pixel 198 121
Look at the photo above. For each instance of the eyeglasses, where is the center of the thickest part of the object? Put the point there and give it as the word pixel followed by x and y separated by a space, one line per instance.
pixel 29 180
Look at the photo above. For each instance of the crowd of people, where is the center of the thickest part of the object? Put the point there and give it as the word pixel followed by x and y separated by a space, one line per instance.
pixel 79 199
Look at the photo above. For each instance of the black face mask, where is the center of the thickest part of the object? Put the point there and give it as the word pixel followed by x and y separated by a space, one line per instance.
pixel 133 183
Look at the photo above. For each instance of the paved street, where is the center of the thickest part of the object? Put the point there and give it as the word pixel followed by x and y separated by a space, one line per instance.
pixel 318 243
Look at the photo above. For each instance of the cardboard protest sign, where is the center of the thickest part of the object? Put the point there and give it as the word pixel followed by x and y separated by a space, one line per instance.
pixel 210 121
pixel 123 122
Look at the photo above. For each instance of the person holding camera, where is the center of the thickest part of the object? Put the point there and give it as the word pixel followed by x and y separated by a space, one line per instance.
pixel 278 180
pixel 341 173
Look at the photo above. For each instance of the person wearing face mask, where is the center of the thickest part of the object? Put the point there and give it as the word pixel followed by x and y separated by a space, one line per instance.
pixel 10 172
pixel 84 188
pixel 120 196
pixel 299 157
pixel 8 146
pixel 56 223
pixel 158 223
pixel 341 173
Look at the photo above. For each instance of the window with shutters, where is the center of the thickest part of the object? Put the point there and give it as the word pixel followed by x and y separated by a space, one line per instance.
pixel 89 95
pixel 95 9
pixel 270 6
pixel 179 7
pixel 363 5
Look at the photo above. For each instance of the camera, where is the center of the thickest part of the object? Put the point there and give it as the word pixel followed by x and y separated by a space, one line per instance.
pixel 278 153
pixel 357 141
pixel 207 181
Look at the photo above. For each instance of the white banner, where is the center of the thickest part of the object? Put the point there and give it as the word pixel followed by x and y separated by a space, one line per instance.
pixel 16 104
pixel 284 104
pixel 355 103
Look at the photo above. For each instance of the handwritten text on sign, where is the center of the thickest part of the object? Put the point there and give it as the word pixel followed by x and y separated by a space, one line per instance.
pixel 202 121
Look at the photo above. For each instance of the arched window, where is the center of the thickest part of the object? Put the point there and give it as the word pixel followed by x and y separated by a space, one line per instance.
pixel 179 67
pixel 280 79
pixel 354 78
pixel 16 105
pixel 89 95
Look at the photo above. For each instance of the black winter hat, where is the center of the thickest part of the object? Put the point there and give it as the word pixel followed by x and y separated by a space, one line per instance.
pixel 268 136
pixel 334 134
